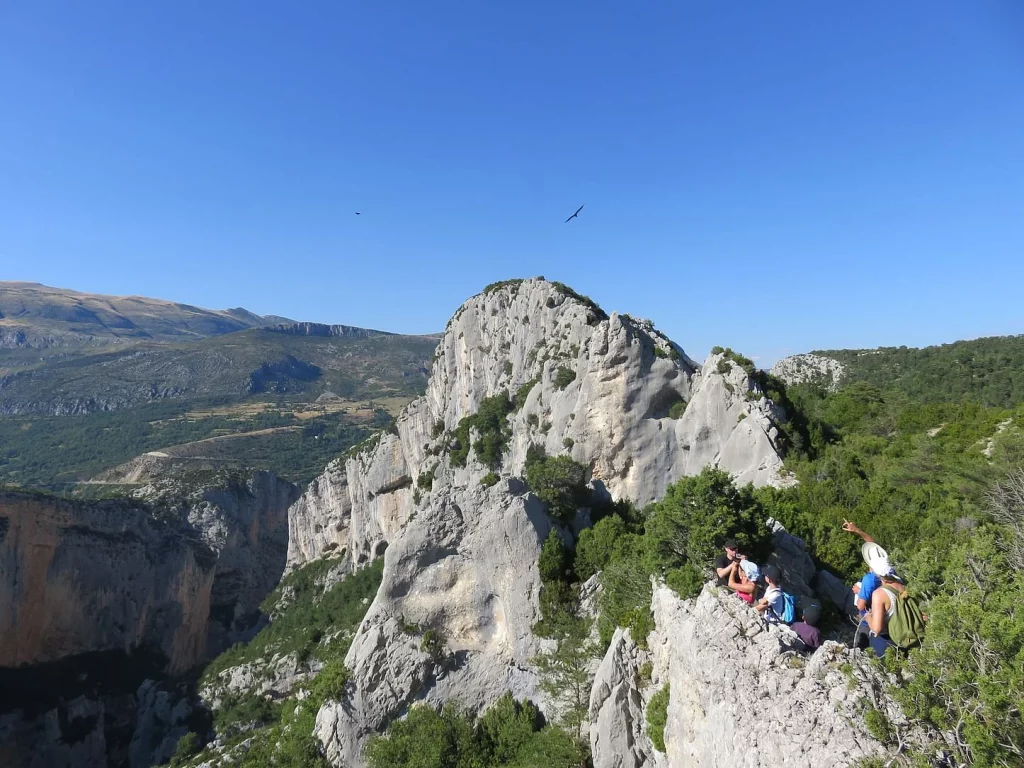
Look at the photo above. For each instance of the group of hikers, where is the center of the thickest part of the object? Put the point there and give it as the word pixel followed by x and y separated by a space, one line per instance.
pixel 885 614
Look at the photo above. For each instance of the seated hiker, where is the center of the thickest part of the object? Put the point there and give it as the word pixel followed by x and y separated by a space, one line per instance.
pixel 773 605
pixel 724 563
pixel 877 560
pixel 743 576
pixel 805 627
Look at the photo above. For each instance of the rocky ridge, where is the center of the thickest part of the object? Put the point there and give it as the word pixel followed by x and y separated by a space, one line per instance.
pixel 809 369
pixel 461 556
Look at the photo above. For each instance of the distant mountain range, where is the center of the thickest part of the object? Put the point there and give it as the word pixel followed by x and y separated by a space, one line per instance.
pixel 293 393
pixel 39 317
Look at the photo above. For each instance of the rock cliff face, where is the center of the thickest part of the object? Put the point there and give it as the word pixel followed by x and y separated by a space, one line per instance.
pixel 81 577
pixel 94 576
pixel 244 520
pixel 461 558
pixel 740 693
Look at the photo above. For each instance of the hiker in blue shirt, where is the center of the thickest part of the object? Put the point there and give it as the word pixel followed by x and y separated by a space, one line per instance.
pixel 877 560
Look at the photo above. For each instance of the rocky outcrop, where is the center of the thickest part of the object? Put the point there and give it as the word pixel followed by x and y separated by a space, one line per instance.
pixel 618 699
pixel 81 577
pixel 161 573
pixel 743 693
pixel 809 369
pixel 322 329
pixel 461 558
pixel 243 519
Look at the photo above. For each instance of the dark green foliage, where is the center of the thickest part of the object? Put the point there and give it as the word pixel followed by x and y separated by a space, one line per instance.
pixel 686 580
pixel 626 595
pixel 188 747
pixel 508 367
pixel 565 671
pixel 564 377
pixel 568 443
pixel 657 717
pixel 989 371
pixel 507 727
pixel 555 561
pixel 437 429
pixel 425 481
pixel 492 428
pixel 677 410
pixel 508 735
pixel 489 479
pixel 696 515
pixel 513 284
pixel 238 711
pixel 659 352
pixel 532 420
pixel 608 540
pixel 558 481
pixel 596 313
pixel 724 366
pixel 329 684
pixel 56 451
pixel 307 619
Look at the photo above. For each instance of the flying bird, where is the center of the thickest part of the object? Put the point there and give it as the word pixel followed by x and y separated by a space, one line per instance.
pixel 575 214
pixel 359 213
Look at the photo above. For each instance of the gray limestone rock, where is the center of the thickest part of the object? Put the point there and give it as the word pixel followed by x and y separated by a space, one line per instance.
pixel 743 694
pixel 809 368
pixel 461 559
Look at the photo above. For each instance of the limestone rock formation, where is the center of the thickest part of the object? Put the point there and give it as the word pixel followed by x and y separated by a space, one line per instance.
pixel 746 694
pixel 461 558
pixel 809 369
pixel 244 520
pixel 89 576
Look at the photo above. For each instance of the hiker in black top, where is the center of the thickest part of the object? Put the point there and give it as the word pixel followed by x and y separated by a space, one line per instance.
pixel 723 563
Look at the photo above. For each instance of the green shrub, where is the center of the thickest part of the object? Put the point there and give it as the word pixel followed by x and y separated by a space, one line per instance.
pixel 608 539
pixel 237 711
pixel 329 684
pixel 568 443
pixel 657 717
pixel 697 515
pixel 188 747
pixel 489 479
pixel 311 615
pixel 493 432
pixel 659 352
pixel 724 366
pixel 532 420
pixel 508 368
pixel 425 481
pixel 687 580
pixel 564 376
pixel 558 481
pixel 677 410
pixel 437 429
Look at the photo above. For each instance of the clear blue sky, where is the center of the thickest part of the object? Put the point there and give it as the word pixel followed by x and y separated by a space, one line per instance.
pixel 772 176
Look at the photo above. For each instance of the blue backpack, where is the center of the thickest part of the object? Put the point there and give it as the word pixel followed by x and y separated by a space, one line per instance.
pixel 788 615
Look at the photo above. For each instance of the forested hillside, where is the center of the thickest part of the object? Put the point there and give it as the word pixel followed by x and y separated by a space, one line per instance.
pixel 989 371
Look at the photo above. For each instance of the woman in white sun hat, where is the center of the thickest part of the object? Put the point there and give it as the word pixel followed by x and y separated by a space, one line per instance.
pixel 877 560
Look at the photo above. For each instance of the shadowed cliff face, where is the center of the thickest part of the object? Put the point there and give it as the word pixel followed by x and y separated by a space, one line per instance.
pixel 81 577
pixel 180 572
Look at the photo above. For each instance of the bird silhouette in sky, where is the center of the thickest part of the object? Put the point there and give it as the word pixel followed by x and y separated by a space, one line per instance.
pixel 359 213
pixel 575 214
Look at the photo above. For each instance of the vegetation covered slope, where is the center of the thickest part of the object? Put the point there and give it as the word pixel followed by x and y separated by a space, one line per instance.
pixel 988 371
pixel 88 383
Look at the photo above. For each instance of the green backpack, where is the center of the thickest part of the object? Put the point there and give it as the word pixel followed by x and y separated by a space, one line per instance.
pixel 906 627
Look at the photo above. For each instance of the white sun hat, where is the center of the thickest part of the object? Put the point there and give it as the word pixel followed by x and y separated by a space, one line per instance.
pixel 877 559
